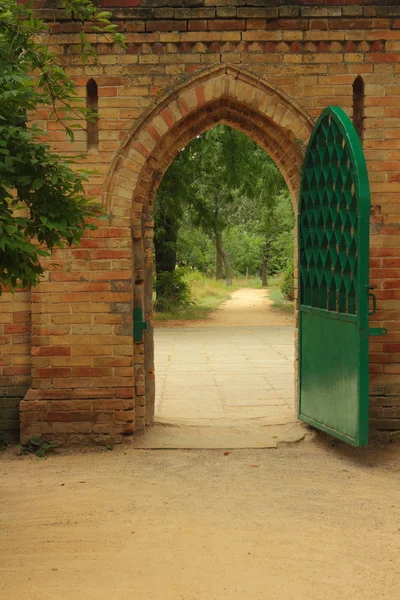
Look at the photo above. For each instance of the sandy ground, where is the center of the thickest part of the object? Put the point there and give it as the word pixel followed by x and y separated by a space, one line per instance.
pixel 250 307
pixel 303 522
pixel 308 521
pixel 247 306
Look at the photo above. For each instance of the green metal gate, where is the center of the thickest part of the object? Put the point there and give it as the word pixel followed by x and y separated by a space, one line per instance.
pixel 334 291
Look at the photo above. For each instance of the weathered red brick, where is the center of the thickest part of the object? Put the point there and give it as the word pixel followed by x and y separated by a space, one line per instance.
pixel 83 308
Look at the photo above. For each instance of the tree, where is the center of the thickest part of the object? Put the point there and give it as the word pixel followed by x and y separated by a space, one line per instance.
pixel 263 207
pixel 276 225
pixel 42 200
pixel 239 185
pixel 244 246
pixel 282 239
pixel 221 183
pixel 218 183
pixel 169 206
pixel 198 182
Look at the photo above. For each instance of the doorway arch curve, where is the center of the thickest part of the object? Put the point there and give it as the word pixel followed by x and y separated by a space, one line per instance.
pixel 222 95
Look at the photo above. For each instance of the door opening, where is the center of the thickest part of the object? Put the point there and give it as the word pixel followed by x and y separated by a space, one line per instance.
pixel 224 286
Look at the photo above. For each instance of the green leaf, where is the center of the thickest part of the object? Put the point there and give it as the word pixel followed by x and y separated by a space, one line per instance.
pixel 103 15
pixel 35 441
pixel 37 183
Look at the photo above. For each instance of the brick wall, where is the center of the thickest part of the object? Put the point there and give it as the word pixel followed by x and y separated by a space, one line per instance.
pixel 15 357
pixel 189 64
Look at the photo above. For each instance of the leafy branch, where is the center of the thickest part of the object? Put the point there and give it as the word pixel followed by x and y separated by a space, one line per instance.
pixel 43 205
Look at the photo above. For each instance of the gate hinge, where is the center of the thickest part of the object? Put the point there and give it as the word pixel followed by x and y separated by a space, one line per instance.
pixel 374 331
pixel 138 324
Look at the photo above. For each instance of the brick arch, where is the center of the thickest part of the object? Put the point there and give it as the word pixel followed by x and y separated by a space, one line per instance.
pixel 266 133
pixel 221 95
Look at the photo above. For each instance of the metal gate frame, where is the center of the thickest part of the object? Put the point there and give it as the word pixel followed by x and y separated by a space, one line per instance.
pixel 328 321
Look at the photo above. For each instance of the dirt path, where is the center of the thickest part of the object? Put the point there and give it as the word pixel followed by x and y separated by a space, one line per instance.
pixel 251 307
pixel 246 306
pixel 304 522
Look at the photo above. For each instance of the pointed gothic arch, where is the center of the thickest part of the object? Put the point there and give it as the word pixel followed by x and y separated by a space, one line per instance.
pixel 221 95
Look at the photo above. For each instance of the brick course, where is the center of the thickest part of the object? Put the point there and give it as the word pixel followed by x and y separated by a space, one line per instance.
pixel 267 70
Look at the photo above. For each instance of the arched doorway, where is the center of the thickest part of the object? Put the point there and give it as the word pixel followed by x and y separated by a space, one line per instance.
pixel 223 95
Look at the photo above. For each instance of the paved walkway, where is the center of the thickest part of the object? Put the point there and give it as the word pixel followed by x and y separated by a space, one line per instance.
pixel 227 374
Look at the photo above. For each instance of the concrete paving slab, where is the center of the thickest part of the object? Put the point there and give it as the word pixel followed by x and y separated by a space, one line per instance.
pixel 225 374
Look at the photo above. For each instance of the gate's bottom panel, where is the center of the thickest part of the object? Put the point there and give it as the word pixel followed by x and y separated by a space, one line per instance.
pixel 329 372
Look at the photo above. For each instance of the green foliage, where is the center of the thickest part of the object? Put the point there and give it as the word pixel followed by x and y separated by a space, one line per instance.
pixel 287 286
pixel 244 242
pixel 39 447
pixel 281 251
pixel 172 194
pixel 172 291
pixel 244 248
pixel 195 249
pixel 206 295
pixel 223 181
pixel 169 206
pixel 275 294
pixel 232 177
pixel 42 200
pixel 86 10
pixel 278 225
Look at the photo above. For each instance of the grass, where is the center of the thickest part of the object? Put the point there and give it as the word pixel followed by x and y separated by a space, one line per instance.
pixel 274 288
pixel 208 294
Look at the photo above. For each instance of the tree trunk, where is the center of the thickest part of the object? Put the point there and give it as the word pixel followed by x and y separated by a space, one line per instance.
pixel 165 244
pixel 264 272
pixel 265 262
pixel 228 269
pixel 219 262
pixel 165 254
pixel 224 258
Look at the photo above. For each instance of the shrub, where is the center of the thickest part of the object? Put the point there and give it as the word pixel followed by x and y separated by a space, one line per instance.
pixel 287 285
pixel 172 291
